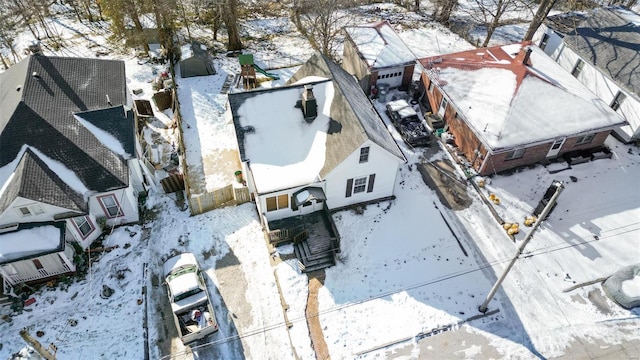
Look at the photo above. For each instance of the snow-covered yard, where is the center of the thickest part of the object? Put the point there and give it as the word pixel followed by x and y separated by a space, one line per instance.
pixel 401 273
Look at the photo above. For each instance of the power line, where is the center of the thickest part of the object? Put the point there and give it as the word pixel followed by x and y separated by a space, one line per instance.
pixel 395 291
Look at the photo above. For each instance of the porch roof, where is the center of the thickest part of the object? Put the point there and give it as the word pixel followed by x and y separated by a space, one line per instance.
pixel 31 240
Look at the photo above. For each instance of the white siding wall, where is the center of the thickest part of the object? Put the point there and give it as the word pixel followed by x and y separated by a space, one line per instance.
pixel 13 215
pixel 53 264
pixel 135 175
pixel 285 212
pixel 594 80
pixel 127 201
pixel 72 230
pixel 381 163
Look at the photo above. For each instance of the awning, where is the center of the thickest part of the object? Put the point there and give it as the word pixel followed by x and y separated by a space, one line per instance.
pixel 307 194
pixel 31 240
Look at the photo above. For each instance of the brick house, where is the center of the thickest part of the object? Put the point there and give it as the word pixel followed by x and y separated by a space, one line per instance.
pixel 511 106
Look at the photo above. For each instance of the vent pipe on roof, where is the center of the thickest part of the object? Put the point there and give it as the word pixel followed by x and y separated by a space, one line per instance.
pixel 36 75
pixel 35 48
pixel 309 104
pixel 108 100
pixel 527 54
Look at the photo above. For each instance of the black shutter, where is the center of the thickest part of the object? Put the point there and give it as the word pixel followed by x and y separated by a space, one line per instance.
pixel 372 178
pixel 349 187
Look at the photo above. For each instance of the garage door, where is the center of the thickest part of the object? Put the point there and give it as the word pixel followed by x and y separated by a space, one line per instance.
pixel 393 77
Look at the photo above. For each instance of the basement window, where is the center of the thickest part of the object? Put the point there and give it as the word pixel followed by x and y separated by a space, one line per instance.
pixel 585 139
pixel 515 154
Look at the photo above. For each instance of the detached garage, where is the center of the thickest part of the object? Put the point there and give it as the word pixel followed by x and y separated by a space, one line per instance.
pixel 195 60
pixel 374 53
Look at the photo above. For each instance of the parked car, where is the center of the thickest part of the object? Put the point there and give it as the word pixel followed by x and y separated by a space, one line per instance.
pixel 406 120
pixel 190 304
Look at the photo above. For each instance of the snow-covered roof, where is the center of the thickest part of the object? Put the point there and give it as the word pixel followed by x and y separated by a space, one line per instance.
pixel 283 149
pixel 31 240
pixel 379 45
pixel 509 104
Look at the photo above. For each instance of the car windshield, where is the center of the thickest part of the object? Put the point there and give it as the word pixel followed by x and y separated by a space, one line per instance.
pixel 185 295
pixel 180 271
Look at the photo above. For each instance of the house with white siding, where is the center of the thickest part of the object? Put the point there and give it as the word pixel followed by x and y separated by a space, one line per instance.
pixel 375 54
pixel 313 146
pixel 600 48
pixel 68 163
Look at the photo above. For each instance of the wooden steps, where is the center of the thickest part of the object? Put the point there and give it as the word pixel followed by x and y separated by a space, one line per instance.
pixel 314 255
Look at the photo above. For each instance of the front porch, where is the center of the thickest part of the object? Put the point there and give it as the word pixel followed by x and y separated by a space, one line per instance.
pixel 314 236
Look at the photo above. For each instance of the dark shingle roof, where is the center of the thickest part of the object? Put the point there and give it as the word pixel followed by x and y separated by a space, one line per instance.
pixel 38 98
pixel 606 38
pixel 354 111
pixel 35 181
pixel 118 122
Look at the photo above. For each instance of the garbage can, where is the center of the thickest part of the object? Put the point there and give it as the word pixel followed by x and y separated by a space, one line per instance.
pixel 383 90
pixel 238 175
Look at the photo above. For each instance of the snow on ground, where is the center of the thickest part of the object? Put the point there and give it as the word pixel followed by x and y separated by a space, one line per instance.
pixel 400 272
pixel 78 320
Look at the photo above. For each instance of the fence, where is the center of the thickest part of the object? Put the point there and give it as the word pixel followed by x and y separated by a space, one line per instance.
pixel 218 198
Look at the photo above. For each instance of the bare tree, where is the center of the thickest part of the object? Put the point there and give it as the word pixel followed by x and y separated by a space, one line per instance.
pixel 230 19
pixel 490 14
pixel 443 10
pixel 321 22
pixel 538 17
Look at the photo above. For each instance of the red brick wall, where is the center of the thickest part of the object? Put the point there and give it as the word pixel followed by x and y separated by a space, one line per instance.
pixel 468 142
pixel 407 76
pixel 538 153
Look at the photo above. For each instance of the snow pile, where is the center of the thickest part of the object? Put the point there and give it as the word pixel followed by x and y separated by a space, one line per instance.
pixel 623 287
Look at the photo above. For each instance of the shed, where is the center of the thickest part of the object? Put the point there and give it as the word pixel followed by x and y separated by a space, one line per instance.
pixel 195 60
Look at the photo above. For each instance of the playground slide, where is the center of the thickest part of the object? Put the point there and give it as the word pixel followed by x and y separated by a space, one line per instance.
pixel 263 72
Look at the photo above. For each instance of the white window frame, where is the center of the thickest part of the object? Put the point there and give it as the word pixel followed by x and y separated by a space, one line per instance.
pixel 618 100
pixel 577 68
pixel 364 154
pixel 515 154
pixel 442 110
pixel 31 209
pixel 106 207
pixel 544 41
pixel 586 139
pixel 81 221
pixel 360 186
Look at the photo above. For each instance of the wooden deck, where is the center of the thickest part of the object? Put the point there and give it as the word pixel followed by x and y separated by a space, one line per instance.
pixel 315 239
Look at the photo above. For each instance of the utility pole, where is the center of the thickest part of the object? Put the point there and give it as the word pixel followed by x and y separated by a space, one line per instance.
pixel 37 346
pixel 483 308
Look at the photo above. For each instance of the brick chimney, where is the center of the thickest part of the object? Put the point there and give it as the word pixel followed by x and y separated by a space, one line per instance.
pixel 309 104
pixel 35 48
